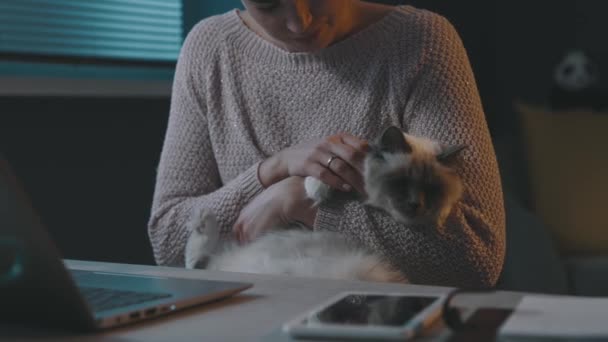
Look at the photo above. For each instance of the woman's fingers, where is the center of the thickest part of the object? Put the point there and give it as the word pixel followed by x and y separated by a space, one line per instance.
pixel 347 154
pixel 346 172
pixel 328 177
pixel 356 143
pixel 350 155
pixel 346 160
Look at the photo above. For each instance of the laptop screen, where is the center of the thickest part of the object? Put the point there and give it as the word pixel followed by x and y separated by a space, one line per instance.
pixel 34 284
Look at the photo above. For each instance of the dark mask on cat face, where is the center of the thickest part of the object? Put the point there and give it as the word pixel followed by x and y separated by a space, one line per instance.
pixel 411 179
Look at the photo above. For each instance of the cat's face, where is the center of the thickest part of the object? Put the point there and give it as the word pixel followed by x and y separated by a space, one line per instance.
pixel 409 177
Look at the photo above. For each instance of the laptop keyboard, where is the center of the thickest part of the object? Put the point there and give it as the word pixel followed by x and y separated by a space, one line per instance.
pixel 102 299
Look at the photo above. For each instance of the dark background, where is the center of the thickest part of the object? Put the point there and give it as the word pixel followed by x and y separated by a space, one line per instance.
pixel 89 163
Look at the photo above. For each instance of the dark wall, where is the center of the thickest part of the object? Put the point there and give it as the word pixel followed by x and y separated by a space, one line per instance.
pixel 89 166
pixel 532 37
pixel 515 45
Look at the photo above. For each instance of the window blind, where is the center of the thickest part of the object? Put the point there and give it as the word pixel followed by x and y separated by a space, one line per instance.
pixel 136 30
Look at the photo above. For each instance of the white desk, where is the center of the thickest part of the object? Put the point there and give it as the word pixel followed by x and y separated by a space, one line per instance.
pixel 254 315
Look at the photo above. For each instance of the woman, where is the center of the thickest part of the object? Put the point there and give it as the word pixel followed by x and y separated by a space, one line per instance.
pixel 293 88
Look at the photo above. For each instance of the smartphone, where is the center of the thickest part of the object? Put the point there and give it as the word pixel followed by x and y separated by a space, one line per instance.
pixel 369 316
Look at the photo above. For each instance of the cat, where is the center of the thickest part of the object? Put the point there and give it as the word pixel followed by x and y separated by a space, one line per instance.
pixel 407 176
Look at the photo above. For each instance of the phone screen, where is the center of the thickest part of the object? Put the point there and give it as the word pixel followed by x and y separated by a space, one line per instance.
pixel 366 310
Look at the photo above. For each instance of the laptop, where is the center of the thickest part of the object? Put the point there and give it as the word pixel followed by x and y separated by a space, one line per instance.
pixel 36 288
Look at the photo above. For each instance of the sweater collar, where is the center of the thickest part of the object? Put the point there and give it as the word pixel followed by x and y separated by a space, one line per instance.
pixel 360 45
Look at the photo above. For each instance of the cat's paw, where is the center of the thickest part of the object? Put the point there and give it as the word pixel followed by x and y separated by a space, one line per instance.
pixel 204 236
pixel 316 190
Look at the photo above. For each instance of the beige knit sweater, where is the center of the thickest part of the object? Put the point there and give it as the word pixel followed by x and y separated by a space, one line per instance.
pixel 237 99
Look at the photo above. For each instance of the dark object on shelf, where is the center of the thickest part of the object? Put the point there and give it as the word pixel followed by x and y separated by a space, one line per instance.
pixel 576 84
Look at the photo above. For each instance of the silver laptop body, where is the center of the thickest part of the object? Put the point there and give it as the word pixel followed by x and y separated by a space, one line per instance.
pixel 37 289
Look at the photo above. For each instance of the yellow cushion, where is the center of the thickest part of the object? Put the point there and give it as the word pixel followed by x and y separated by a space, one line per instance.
pixel 567 155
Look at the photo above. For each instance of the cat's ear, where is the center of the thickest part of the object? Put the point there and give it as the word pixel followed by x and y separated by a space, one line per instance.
pixel 448 153
pixel 393 140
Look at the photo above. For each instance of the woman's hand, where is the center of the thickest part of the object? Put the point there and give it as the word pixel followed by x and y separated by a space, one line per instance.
pixel 336 160
pixel 282 203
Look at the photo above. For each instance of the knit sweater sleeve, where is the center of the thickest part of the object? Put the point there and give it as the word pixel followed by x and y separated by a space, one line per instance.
pixel 468 250
pixel 188 179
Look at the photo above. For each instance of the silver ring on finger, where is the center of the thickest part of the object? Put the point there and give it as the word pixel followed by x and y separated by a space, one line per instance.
pixel 331 159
